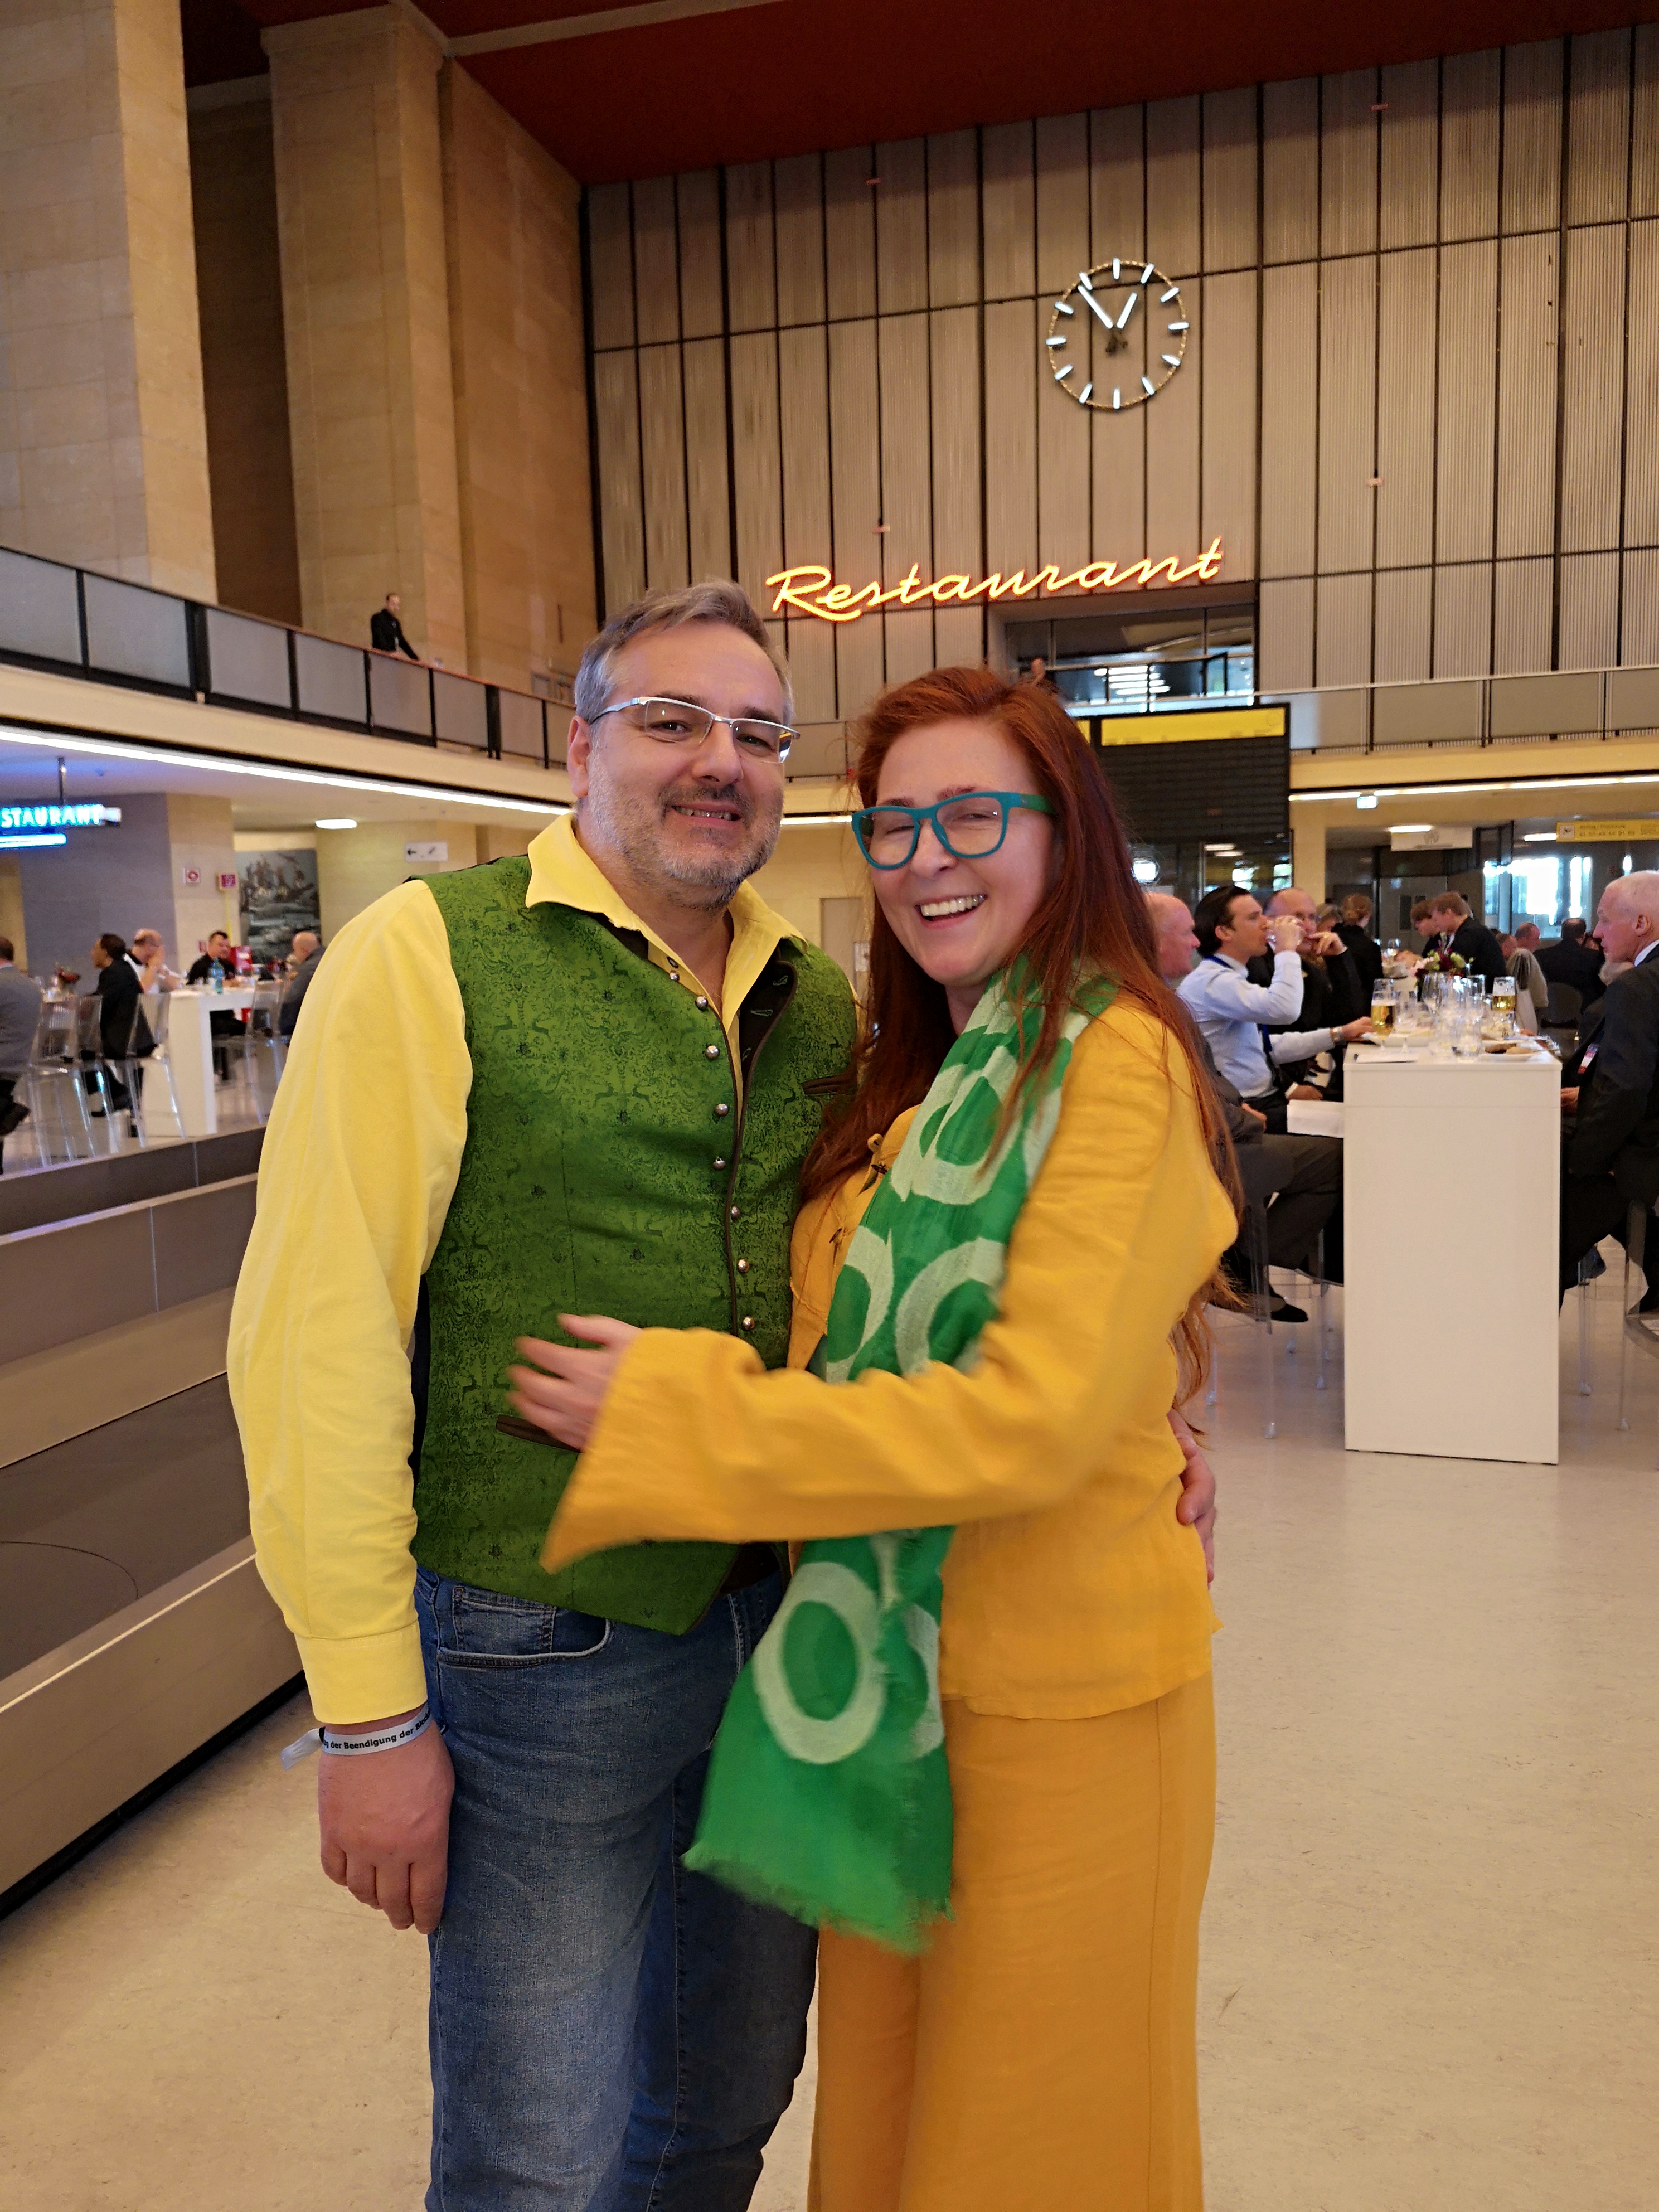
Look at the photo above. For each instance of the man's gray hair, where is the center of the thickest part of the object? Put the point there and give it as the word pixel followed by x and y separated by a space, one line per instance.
pixel 716 601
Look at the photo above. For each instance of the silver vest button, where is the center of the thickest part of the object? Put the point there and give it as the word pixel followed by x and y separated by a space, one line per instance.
pixel 734 1213
pixel 743 1267
pixel 719 1164
pixel 722 1108
pixel 711 1052
pixel 749 1320
pixel 702 1006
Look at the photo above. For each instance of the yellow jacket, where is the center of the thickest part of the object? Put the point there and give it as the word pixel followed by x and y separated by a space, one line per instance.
pixel 1071 1588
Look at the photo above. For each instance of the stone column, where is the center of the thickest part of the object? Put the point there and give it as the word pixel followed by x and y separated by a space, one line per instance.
pixel 103 443
pixel 1307 853
pixel 365 315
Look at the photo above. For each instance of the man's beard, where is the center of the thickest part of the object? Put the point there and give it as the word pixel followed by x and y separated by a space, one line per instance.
pixel 637 828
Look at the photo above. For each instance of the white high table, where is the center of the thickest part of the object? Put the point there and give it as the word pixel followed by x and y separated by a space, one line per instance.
pixel 190 1051
pixel 1450 1196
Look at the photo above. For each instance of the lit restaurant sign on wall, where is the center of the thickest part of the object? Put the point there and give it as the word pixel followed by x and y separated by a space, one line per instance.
pixel 813 591
pixel 87 817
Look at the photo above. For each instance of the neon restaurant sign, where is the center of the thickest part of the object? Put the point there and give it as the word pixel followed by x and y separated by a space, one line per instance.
pixel 814 590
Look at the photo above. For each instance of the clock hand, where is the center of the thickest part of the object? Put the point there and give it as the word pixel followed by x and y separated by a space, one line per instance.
pixel 1100 310
pixel 1127 311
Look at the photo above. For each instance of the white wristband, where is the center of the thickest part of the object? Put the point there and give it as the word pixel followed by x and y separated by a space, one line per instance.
pixel 387 1739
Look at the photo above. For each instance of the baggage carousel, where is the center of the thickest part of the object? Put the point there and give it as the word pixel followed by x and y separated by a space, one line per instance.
pixel 134 1629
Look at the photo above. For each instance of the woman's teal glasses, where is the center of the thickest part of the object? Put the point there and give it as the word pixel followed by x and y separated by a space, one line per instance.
pixel 970 827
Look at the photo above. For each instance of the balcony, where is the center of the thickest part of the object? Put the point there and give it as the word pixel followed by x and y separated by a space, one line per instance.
pixel 1577 705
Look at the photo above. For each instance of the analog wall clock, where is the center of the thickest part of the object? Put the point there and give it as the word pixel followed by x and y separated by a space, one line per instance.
pixel 1117 335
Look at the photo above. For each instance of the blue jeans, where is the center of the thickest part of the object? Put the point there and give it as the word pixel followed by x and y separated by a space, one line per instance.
pixel 609 2033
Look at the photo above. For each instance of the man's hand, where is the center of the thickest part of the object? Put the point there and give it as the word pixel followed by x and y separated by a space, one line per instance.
pixel 1306 1089
pixel 382 1822
pixel 1326 944
pixel 1285 933
pixel 1569 1100
pixel 1196 1508
pixel 1250 1114
pixel 1359 1028
pixel 565 1391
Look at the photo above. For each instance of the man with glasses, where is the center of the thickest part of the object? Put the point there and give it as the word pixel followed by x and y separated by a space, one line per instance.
pixel 578 1082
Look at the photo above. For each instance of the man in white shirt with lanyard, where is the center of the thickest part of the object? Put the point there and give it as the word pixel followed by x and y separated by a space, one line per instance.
pixel 1236 1017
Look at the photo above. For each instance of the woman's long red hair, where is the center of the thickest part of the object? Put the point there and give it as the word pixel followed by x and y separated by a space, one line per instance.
pixel 1094 918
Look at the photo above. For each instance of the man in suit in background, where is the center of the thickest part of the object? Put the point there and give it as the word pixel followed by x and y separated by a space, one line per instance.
pixel 1332 996
pixel 1573 961
pixel 385 631
pixel 1355 931
pixel 1611 1154
pixel 1457 930
pixel 307 952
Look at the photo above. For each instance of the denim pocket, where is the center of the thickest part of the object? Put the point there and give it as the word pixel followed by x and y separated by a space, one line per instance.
pixel 486 1628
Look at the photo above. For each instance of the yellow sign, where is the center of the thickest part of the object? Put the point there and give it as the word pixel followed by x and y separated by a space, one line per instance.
pixel 1606 833
pixel 814 590
pixel 1188 725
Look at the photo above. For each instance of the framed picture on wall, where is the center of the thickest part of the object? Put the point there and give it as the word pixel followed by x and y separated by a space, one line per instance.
pixel 278 894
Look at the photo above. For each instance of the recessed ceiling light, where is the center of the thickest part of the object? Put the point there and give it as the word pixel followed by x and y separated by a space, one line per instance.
pixel 1366 798
pixel 339 822
pixel 1410 827
pixel 1538 836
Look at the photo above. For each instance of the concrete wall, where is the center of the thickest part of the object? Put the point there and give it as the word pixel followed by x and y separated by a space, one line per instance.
pixel 201 837
pixel 103 446
pixel 520 392
pixel 810 865
pixel 119 878
pixel 356 867
pixel 245 373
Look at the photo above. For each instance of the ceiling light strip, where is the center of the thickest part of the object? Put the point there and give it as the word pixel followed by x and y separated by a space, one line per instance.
pixel 1451 790
pixel 13 734
pixel 594 25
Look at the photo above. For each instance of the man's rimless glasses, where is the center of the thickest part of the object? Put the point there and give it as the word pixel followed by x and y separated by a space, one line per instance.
pixel 677 722
pixel 970 827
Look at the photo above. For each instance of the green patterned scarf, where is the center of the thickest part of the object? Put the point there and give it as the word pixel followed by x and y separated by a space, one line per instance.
pixel 827 1793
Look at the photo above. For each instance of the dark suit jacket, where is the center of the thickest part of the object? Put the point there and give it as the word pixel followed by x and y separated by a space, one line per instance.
pixel 1365 953
pixel 298 984
pixel 1479 948
pixel 1575 965
pixel 122 1029
pixel 1616 1130
pixel 385 633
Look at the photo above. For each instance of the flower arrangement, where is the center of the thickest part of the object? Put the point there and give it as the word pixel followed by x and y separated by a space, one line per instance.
pixel 1443 963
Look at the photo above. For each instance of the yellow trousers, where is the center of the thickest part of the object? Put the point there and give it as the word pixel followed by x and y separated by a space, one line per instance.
pixel 1040 2056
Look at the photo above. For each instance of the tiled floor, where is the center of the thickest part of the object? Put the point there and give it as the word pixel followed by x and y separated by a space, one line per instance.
pixel 1430 1974
pixel 235 1104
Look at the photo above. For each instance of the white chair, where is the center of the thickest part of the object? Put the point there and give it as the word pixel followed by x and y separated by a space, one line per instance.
pixel 51 1085
pixel 264 1048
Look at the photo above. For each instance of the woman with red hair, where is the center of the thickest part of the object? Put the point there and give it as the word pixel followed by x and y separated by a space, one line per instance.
pixel 1040 2051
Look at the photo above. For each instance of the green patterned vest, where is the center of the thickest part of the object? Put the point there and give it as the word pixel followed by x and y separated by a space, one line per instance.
pixel 607 1170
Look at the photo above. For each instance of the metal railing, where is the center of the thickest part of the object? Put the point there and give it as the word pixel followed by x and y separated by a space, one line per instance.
pixel 73 621
pixel 1570 704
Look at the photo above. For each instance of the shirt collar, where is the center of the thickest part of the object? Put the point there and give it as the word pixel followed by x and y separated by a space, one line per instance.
pixel 1644 953
pixel 562 873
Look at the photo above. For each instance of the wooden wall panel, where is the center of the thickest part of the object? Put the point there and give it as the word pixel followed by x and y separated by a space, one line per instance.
pixel 1229 179
pixel 1592 381
pixel 1409 137
pixel 1117 182
pixel 707 484
pixel 1470 106
pixel 1347 402
pixel 1405 411
pixel 953 218
pixel 756 461
pixel 1642 389
pixel 1062 201
pixel 1639 623
pixel 1347 163
pixel 849 227
pixel 1598 126
pixel 1290 170
pixel 900 201
pixel 1532 136
pixel 798 190
pixel 954 418
pixel 1589 611
pixel 750 251
pixel 1524 593
pixel 1285 636
pixel 810 646
pixel 1527 278
pixel 855 480
pixel 1342 648
pixel 611 257
pixel 656 261
pixel 1173 185
pixel 1010 461
pixel 1063 505
pixel 703 296
pixel 1644 123
pixel 909 643
pixel 1290 417
pixel 1009 210
pixel 804 432
pixel 662 457
pixel 1403 605
pixel 1468 410
pixel 1173 422
pixel 622 520
pixel 1118 471
pixel 907 470
pixel 1227 363
pixel 1462 620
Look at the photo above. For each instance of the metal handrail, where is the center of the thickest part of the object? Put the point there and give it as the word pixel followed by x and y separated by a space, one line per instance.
pixel 1565 706
pixel 69 620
